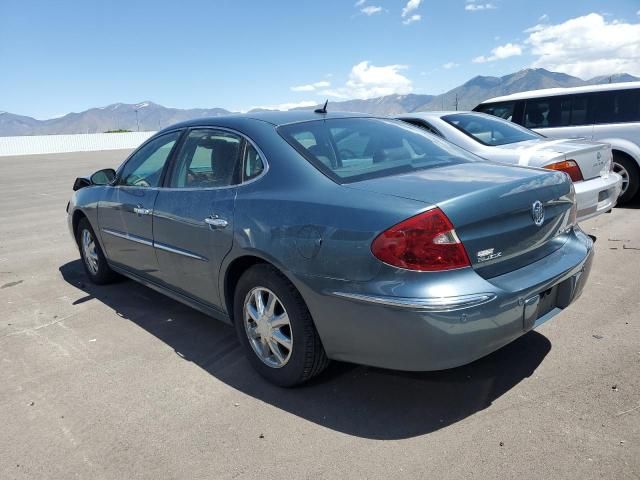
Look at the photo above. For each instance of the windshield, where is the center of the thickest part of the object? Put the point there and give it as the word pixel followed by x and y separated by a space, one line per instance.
pixel 353 149
pixel 489 130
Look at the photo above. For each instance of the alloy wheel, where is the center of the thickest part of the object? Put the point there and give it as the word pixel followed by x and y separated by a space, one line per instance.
pixel 620 170
pixel 267 326
pixel 89 252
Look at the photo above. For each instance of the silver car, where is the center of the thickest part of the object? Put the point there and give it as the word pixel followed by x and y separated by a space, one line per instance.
pixel 588 163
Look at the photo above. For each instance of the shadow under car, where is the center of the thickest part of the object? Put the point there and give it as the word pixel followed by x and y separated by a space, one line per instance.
pixel 361 401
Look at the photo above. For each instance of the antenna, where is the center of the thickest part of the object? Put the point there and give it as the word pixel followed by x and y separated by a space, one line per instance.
pixel 323 109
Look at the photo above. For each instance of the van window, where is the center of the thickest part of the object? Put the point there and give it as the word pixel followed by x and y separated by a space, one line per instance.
pixel 558 111
pixel 502 110
pixel 537 113
pixel 617 106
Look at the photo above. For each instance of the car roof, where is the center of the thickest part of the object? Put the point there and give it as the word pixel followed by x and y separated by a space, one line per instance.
pixel 434 114
pixel 550 92
pixel 275 118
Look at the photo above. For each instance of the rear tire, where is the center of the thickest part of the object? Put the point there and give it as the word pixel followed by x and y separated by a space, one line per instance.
pixel 628 169
pixel 275 328
pixel 93 259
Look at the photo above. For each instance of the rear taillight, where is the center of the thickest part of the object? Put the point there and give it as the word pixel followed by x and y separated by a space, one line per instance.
pixel 426 242
pixel 570 167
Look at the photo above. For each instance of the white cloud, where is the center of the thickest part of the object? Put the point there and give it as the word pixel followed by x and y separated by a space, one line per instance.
pixel 543 18
pixel 287 106
pixel 413 18
pixel 450 65
pixel 587 46
pixel 473 6
pixel 500 53
pixel 407 14
pixel 310 87
pixel 535 28
pixel 370 10
pixel 359 3
pixel 368 81
pixel 410 7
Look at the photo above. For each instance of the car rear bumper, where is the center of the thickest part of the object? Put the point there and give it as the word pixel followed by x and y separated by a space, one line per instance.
pixel 385 324
pixel 597 195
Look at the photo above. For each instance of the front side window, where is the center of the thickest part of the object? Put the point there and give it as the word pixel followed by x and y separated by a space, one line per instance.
pixel 208 159
pixel 144 168
pixel 354 149
pixel 489 130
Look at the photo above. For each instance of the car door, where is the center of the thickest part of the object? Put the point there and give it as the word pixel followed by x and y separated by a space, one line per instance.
pixel 193 217
pixel 125 213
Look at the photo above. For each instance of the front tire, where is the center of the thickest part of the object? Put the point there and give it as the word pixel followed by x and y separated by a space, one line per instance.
pixel 628 170
pixel 93 259
pixel 275 328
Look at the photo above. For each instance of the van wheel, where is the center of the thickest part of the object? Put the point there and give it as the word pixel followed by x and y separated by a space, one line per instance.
pixel 93 260
pixel 275 328
pixel 628 170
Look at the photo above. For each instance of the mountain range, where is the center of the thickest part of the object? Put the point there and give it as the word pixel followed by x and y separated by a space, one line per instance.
pixel 151 116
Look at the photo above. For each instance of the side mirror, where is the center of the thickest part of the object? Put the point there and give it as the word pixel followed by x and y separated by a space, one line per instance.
pixel 103 177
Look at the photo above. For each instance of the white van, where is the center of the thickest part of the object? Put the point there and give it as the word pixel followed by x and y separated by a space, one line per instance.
pixel 608 113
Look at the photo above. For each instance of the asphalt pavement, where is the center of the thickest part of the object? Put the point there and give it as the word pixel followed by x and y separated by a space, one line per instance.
pixel 120 382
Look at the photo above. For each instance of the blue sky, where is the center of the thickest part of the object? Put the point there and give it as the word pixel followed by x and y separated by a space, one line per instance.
pixel 62 56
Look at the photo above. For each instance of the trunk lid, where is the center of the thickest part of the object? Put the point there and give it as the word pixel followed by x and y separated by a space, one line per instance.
pixel 491 208
pixel 593 158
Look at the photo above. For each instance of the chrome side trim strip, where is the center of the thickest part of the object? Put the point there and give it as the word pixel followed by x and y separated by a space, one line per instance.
pixel 177 251
pixel 148 243
pixel 433 304
pixel 128 236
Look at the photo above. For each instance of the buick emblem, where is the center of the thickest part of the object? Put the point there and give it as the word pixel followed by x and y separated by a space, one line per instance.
pixel 537 212
pixel 599 156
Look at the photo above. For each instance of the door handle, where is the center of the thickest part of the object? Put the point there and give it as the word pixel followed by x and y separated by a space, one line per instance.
pixel 141 211
pixel 216 222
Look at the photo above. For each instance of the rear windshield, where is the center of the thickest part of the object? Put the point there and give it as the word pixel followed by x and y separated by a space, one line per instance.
pixel 488 130
pixel 354 149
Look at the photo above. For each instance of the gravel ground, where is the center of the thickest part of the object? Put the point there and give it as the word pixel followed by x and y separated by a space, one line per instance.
pixel 120 382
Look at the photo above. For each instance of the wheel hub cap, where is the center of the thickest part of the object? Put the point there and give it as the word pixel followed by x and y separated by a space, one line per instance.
pixel 267 326
pixel 89 251
pixel 620 170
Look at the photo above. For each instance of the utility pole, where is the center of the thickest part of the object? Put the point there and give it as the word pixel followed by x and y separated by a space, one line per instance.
pixel 456 104
pixel 137 123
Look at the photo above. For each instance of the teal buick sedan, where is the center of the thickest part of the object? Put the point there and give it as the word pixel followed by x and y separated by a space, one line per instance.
pixel 336 236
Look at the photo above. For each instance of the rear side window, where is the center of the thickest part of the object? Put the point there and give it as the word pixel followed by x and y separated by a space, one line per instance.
pixel 253 163
pixel 502 110
pixel 354 149
pixel 617 106
pixel 208 159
